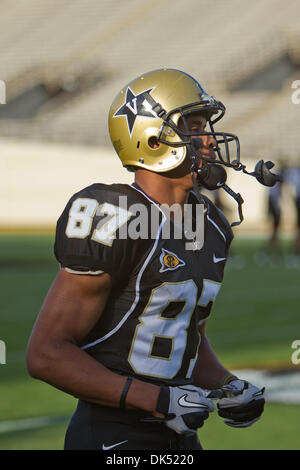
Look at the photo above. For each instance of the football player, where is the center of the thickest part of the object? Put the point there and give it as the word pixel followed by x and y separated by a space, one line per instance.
pixel 274 211
pixel 292 176
pixel 123 325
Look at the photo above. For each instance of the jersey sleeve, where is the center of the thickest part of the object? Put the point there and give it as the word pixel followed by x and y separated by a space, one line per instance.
pixel 88 234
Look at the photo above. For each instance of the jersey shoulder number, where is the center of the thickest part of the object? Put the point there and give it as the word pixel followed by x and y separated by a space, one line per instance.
pixel 86 232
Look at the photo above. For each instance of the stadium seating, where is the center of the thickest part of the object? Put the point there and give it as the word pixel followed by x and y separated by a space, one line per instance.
pixel 110 42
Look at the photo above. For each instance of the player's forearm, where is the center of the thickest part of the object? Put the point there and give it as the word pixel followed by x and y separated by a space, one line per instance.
pixel 208 371
pixel 70 369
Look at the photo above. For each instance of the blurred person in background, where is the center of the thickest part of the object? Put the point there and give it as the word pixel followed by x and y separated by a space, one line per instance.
pixel 292 177
pixel 274 209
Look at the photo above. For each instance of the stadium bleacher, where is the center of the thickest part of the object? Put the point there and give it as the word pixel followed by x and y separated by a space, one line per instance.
pixel 102 45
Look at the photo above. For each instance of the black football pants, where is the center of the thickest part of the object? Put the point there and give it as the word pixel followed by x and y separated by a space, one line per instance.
pixel 94 427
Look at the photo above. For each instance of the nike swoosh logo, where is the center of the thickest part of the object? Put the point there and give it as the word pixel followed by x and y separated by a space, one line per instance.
pixel 104 447
pixel 217 260
pixel 189 404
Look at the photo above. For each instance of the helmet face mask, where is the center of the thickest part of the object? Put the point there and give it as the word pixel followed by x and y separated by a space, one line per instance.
pixel 151 107
pixel 227 146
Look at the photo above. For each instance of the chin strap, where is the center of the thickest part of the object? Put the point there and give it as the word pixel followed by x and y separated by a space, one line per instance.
pixel 238 198
pixel 197 178
pixel 262 173
pixel 213 176
pixel 196 188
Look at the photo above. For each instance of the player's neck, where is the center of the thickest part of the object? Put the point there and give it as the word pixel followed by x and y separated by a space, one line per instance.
pixel 162 189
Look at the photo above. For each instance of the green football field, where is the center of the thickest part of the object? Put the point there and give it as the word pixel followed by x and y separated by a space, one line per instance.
pixel 253 324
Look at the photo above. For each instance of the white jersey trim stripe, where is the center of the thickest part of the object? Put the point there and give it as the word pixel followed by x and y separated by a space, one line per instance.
pixel 92 273
pixel 217 227
pixel 211 221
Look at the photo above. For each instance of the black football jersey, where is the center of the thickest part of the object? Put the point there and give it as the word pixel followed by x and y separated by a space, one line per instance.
pixel 161 290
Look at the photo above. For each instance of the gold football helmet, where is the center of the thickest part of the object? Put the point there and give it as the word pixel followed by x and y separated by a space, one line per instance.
pixel 144 117
pixel 149 129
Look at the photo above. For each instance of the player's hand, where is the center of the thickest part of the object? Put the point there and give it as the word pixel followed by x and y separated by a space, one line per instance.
pixel 185 407
pixel 242 405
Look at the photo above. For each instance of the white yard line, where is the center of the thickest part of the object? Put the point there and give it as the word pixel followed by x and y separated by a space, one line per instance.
pixel 27 424
pixel 280 387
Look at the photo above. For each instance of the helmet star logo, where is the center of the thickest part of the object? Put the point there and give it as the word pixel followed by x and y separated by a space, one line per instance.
pixel 134 106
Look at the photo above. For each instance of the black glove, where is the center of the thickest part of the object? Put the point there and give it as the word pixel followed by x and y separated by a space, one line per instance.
pixel 243 404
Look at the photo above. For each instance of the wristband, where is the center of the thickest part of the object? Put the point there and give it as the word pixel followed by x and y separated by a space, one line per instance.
pixel 228 378
pixel 163 400
pixel 125 391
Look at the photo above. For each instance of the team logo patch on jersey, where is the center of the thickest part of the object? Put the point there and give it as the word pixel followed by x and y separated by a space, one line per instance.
pixel 169 261
pixel 134 106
